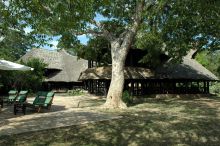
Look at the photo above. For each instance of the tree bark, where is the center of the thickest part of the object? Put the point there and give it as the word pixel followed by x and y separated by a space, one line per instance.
pixel 114 95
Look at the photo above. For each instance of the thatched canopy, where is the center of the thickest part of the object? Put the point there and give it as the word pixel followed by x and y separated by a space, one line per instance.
pixel 52 58
pixel 105 73
pixel 188 69
pixel 64 67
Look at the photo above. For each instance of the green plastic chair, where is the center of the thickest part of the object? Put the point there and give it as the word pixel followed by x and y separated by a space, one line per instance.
pixel 22 96
pixel 12 94
pixel 20 102
pixel 42 100
pixel 49 100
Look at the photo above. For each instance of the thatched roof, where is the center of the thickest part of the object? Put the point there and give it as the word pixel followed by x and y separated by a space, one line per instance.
pixel 52 58
pixel 188 69
pixel 105 73
pixel 66 68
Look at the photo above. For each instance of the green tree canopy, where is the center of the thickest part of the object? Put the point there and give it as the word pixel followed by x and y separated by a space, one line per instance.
pixel 211 60
pixel 14 42
pixel 97 49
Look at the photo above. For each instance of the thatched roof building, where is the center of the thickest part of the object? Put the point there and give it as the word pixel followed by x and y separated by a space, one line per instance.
pixel 62 66
pixel 188 77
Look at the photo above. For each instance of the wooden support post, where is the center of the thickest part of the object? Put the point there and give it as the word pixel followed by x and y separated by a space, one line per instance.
pixel 142 87
pixel 93 82
pixel 105 88
pixel 98 87
pixel 207 87
pixel 132 88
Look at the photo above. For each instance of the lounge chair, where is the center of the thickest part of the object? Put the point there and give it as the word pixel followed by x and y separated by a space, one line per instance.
pixel 43 99
pixel 12 94
pixel 22 96
pixel 20 102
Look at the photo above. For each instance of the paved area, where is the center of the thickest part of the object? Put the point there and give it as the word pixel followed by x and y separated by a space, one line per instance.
pixel 65 111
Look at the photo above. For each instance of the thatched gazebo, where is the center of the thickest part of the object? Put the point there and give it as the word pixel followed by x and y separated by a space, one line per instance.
pixel 188 77
pixel 63 69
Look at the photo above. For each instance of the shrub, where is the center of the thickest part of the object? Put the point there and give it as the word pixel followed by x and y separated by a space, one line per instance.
pixel 215 88
pixel 26 80
pixel 75 92
pixel 127 98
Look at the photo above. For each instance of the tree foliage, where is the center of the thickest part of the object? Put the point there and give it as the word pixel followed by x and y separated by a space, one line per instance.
pixel 174 26
pixel 97 49
pixel 210 60
pixel 14 42
pixel 177 26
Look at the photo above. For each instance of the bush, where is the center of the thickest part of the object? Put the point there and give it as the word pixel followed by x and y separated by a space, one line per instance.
pixel 215 88
pixel 75 92
pixel 127 98
pixel 25 80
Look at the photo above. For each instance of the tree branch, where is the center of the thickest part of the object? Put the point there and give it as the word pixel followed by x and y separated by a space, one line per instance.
pixel 137 18
pixel 88 31
pixel 97 24
pixel 105 33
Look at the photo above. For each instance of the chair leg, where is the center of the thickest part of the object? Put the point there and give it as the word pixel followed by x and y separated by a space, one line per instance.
pixel 15 109
pixel 2 104
pixel 24 109
pixel 49 107
pixel 39 109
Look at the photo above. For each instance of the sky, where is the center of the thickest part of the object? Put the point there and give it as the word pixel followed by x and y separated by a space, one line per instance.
pixel 83 38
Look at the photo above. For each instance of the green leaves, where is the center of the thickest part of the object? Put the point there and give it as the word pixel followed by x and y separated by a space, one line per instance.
pixel 14 42
pixel 210 60
pixel 174 26
pixel 98 49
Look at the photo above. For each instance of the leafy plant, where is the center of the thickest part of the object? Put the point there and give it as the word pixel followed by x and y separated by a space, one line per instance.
pixel 28 80
pixel 215 88
pixel 127 98
pixel 75 92
pixel 210 60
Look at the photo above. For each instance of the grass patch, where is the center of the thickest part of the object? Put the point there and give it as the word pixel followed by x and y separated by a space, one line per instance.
pixel 156 122
pixel 75 92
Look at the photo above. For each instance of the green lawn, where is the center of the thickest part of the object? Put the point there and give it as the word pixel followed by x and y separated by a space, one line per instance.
pixel 162 122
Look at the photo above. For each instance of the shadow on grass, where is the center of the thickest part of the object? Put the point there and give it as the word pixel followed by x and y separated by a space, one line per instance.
pixel 91 103
pixel 194 123
pixel 132 130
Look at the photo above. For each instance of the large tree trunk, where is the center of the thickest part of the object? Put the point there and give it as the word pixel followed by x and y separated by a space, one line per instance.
pixel 119 50
pixel 119 54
